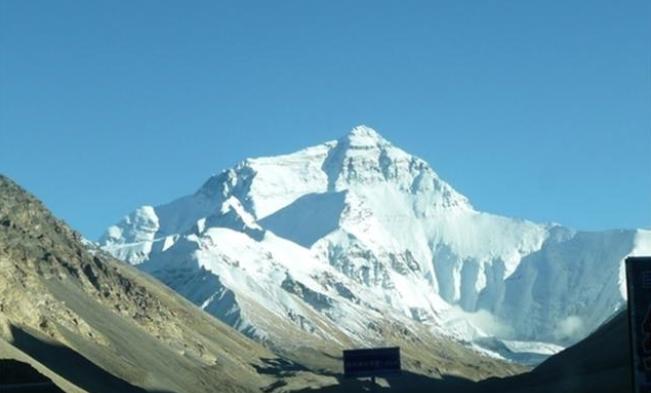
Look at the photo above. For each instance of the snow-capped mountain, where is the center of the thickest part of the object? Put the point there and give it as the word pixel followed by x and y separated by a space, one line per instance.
pixel 354 240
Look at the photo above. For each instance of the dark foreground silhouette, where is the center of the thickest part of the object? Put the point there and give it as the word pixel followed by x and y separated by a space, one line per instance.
pixel 17 376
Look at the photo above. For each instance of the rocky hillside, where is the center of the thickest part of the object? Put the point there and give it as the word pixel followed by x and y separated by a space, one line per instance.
pixel 91 323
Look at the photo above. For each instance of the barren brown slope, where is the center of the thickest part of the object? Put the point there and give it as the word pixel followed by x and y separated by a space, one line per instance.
pixel 100 325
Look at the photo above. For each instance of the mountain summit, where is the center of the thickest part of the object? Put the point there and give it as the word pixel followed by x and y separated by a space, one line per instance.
pixel 355 240
pixel 363 136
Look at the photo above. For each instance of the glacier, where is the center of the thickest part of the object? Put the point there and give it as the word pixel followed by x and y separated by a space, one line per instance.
pixel 350 239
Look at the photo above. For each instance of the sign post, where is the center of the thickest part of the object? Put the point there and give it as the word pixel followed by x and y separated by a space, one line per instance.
pixel 371 362
pixel 638 283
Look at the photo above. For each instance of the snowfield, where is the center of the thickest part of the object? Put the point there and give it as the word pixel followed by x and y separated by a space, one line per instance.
pixel 337 239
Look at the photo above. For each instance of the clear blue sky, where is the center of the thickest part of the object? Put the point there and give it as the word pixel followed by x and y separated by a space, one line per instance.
pixel 534 109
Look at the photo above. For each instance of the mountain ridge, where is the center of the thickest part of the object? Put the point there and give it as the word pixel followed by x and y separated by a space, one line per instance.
pixel 392 236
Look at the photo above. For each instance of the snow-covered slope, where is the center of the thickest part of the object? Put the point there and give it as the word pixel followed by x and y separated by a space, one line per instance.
pixel 347 239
